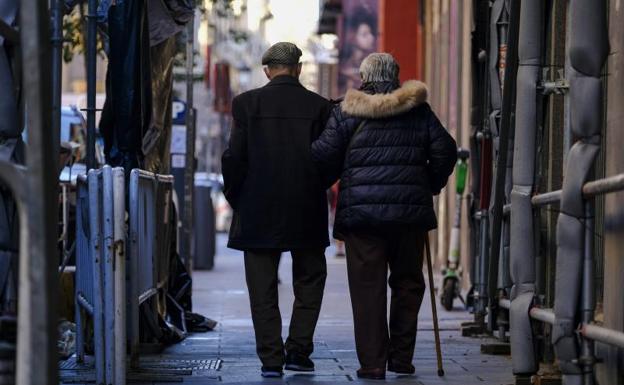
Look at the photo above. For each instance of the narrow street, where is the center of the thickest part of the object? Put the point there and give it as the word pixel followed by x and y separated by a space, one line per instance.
pixel 222 295
pixel 134 135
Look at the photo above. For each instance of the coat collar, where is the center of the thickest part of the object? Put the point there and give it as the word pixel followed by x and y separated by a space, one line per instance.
pixel 284 79
pixel 362 105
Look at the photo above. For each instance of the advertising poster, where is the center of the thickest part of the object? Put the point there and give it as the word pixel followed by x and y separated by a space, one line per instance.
pixel 358 38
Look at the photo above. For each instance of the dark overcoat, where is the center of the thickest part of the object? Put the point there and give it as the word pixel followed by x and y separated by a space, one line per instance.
pixel 392 156
pixel 278 199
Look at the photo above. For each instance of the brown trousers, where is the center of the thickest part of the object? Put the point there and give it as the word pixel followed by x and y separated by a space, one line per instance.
pixel 309 271
pixel 369 254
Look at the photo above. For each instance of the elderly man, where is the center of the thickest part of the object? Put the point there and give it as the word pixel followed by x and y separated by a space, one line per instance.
pixel 279 205
pixel 392 155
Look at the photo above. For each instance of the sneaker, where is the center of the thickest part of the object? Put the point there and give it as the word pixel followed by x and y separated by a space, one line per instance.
pixel 299 362
pixel 272 371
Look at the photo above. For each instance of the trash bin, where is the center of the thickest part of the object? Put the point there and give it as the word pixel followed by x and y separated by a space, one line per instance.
pixel 205 235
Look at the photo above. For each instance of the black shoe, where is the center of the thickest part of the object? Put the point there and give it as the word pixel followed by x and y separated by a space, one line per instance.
pixel 372 374
pixel 272 371
pixel 299 362
pixel 401 368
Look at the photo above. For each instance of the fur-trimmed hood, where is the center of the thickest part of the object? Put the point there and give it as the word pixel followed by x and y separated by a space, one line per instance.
pixel 362 105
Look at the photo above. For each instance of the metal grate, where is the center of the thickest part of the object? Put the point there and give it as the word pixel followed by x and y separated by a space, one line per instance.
pixel 72 364
pixel 194 365
pixel 191 365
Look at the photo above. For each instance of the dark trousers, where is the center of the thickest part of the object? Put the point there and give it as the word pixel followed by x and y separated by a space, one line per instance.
pixel 369 254
pixel 309 273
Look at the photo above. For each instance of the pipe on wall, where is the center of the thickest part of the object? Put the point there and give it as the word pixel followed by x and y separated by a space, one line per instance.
pixel 498 13
pixel 521 255
pixel 479 95
pixel 588 49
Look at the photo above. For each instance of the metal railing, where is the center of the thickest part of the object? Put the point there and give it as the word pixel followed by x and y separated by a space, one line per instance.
pixel 591 331
pixel 101 250
pixel 149 244
pixel 100 271
pixel 590 190
pixel 588 330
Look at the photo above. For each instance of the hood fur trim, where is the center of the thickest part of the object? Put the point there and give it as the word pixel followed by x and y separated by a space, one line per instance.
pixel 363 105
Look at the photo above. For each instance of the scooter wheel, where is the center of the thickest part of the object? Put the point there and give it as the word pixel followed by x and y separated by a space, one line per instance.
pixel 448 294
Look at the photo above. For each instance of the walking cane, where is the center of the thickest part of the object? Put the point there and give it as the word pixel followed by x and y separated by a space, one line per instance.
pixel 436 329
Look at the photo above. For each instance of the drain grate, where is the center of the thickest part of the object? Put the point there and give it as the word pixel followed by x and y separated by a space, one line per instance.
pixel 193 365
pixel 72 364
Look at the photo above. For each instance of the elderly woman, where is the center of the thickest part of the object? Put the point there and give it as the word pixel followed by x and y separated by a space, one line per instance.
pixel 392 156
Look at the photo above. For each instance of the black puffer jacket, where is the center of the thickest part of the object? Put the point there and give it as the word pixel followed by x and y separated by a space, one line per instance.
pixel 391 154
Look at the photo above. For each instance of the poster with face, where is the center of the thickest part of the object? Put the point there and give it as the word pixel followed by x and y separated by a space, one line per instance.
pixel 358 38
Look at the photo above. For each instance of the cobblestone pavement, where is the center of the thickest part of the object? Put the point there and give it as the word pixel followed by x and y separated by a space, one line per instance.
pixel 221 294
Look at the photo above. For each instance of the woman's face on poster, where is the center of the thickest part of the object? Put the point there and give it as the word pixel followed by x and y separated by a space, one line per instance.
pixel 364 38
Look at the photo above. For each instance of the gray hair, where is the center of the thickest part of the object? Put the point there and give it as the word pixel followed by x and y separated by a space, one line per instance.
pixel 282 53
pixel 379 67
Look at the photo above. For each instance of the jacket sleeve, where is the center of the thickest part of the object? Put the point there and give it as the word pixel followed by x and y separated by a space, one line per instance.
pixel 328 151
pixel 234 161
pixel 442 154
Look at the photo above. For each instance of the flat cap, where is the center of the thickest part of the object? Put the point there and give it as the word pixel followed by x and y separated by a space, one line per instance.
pixel 282 53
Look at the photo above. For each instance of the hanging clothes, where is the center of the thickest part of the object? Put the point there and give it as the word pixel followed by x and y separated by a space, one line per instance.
pixel 128 107
pixel 11 150
pixel 167 18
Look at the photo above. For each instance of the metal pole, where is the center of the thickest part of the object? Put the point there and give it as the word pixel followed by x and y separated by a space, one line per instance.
pixel 590 189
pixel 119 265
pixel 605 335
pixel 480 285
pixel 133 259
pixel 594 332
pixel 57 76
pixel 506 124
pixel 107 260
pixel 37 362
pixel 481 292
pixel 544 315
pixel 588 295
pixel 91 72
pixel 95 246
pixel 189 169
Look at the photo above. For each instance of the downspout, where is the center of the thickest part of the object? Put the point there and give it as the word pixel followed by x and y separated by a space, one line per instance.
pixel 508 64
pixel 522 258
pixel 477 116
pixel 37 358
pixel 587 53
pixel 56 11
pixel 488 145
pixel 91 56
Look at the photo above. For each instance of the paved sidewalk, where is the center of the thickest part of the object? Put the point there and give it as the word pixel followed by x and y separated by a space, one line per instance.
pixel 221 294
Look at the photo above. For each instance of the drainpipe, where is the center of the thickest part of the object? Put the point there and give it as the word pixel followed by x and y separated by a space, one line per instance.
pixel 478 108
pixel 587 53
pixel 189 167
pixel 522 258
pixel 508 59
pixel 91 70
pixel 37 361
pixel 489 148
pixel 56 10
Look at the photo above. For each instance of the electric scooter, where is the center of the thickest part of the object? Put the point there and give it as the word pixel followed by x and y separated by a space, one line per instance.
pixel 451 273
